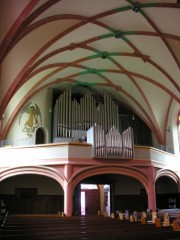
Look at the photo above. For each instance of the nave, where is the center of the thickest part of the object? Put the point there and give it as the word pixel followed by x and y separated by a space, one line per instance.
pixel 49 227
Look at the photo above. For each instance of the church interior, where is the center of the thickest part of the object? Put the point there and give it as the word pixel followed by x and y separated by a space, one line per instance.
pixel 89 108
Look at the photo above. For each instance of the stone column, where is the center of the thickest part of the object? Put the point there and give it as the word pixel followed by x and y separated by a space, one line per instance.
pixel 151 190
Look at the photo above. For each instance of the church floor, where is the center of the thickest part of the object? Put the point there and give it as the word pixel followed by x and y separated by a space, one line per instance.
pixel 49 227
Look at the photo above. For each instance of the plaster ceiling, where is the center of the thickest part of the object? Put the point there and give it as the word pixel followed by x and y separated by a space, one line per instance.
pixel 129 49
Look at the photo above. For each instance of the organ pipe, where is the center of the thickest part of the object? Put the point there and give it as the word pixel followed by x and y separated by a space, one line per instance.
pixel 83 114
pixel 70 112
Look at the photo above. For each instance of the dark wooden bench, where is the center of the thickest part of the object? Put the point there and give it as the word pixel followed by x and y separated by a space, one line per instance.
pixel 91 227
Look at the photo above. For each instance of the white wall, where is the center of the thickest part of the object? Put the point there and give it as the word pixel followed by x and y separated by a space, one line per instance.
pixel 43 101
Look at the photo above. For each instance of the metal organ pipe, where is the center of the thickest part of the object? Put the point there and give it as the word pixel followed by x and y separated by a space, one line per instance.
pixel 81 114
pixel 66 112
pixel 75 115
pixel 57 117
pixel 60 115
pixel 94 110
pixel 90 110
pixel 105 113
pixel 89 119
pixel 71 114
pixel 109 114
pixel 63 114
pixel 84 117
pixel 85 110
pixel 108 125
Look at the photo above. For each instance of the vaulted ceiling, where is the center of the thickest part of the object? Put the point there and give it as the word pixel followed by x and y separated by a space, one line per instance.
pixel 129 49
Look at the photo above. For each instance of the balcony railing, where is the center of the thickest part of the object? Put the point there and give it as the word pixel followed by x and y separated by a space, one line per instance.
pixel 166 149
pixel 29 141
pixel 16 142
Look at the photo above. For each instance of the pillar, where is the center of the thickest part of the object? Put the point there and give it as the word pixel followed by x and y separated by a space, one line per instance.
pixel 178 186
pixel 68 170
pixel 152 197
pixel 102 200
pixel 68 191
pixel 151 190
pixel 68 199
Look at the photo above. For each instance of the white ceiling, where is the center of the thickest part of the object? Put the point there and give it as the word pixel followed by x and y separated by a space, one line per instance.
pixel 60 42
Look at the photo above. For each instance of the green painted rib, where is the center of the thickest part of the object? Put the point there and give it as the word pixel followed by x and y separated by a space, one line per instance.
pixel 121 9
pixel 108 35
pixel 94 56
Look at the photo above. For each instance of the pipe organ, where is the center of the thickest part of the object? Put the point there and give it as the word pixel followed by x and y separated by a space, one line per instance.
pixel 111 144
pixel 73 117
pixel 98 121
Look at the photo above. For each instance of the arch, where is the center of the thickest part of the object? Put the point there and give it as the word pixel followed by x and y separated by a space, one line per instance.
pixel 92 171
pixel 167 173
pixel 43 171
pixel 40 137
